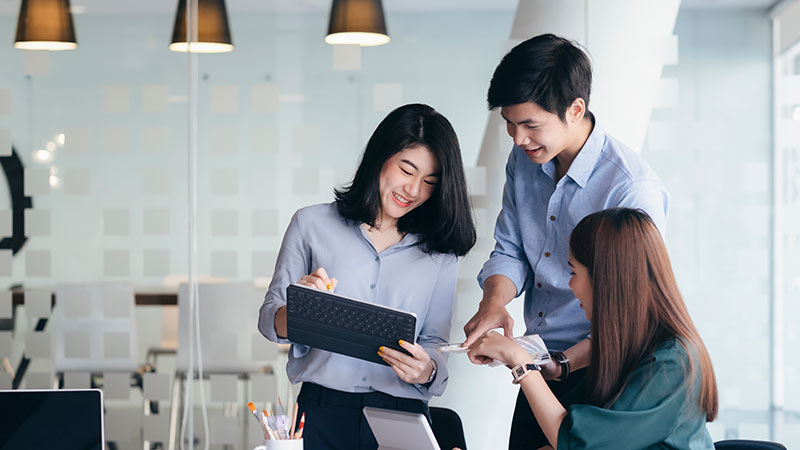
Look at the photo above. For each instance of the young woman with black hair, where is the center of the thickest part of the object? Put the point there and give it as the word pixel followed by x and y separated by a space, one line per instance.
pixel 650 383
pixel 392 237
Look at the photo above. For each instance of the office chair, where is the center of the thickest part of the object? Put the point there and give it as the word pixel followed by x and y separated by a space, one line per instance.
pixel 742 444
pixel 447 428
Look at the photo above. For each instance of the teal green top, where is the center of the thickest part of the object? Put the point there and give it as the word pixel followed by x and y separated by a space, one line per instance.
pixel 653 412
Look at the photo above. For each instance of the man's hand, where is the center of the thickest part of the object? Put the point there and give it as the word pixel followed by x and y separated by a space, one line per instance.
pixel 490 315
pixel 551 370
pixel 498 290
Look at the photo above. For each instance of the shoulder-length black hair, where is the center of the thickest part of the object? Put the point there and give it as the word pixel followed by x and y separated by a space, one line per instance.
pixel 444 222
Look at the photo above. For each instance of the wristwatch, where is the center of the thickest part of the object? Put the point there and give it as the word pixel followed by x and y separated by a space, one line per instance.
pixel 563 361
pixel 433 372
pixel 519 371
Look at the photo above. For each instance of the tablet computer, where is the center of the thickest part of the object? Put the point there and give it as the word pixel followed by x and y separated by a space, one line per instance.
pixel 344 325
pixel 399 430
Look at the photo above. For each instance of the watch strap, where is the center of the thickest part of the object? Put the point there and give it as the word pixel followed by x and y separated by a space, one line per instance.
pixel 562 361
pixel 433 372
pixel 519 371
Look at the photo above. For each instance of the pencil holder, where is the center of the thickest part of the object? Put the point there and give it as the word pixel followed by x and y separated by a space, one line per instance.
pixel 288 444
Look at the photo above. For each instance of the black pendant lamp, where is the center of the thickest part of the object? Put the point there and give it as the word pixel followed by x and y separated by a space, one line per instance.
pixel 45 25
pixel 357 22
pixel 213 32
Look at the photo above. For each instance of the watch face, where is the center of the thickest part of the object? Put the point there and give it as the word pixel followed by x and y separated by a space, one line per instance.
pixel 518 371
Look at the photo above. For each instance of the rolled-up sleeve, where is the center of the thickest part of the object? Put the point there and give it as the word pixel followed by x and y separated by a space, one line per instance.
pixel 292 264
pixel 436 329
pixel 508 257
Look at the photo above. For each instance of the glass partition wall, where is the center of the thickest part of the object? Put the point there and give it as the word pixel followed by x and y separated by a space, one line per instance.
pixel 93 145
pixel 786 223
pixel 105 146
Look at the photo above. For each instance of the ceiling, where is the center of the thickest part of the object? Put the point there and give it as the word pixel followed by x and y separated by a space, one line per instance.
pixel 321 6
pixel 11 7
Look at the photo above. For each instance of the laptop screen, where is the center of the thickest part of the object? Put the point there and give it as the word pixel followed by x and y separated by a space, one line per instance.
pixel 64 419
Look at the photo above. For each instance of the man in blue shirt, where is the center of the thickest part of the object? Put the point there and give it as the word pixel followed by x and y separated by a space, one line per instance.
pixel 563 167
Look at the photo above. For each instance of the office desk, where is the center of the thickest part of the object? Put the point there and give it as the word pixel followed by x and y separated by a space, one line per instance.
pixel 144 298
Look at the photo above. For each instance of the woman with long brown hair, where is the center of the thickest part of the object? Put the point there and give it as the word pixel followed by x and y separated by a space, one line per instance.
pixel 650 383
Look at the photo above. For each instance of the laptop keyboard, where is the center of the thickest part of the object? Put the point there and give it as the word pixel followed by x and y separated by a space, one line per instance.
pixel 314 306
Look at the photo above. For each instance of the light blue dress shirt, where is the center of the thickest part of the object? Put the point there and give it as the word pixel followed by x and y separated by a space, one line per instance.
pixel 533 228
pixel 402 276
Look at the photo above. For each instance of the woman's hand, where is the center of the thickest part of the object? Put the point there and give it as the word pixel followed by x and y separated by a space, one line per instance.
pixel 416 368
pixel 494 346
pixel 319 279
pixel 281 329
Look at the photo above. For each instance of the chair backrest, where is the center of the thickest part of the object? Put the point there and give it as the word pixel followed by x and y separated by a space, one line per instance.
pixel 742 444
pixel 447 428
pixel 95 328
pixel 229 336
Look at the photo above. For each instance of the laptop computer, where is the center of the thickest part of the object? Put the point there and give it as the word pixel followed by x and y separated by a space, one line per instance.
pixel 399 430
pixel 343 325
pixel 63 419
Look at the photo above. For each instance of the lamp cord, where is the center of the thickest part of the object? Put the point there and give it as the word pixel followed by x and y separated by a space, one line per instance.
pixel 194 314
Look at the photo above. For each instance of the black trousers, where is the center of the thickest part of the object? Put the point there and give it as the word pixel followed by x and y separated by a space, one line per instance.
pixel 334 419
pixel 525 430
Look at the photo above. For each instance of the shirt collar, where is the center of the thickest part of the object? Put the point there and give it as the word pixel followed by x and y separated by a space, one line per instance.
pixel 409 240
pixel 583 165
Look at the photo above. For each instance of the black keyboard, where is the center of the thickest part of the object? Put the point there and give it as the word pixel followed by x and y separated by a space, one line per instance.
pixel 342 325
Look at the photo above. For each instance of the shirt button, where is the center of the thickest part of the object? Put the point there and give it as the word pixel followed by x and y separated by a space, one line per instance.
pixel 372 286
pixel 540 314
pixel 363 378
pixel 552 218
pixel 539 285
pixel 546 254
pixel 377 258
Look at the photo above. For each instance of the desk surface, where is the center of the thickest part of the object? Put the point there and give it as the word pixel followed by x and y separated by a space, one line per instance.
pixel 146 298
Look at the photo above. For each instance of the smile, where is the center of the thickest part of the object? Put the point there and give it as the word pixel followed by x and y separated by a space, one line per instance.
pixel 535 151
pixel 400 200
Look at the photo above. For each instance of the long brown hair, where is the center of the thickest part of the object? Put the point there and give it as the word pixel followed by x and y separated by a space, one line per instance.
pixel 636 304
